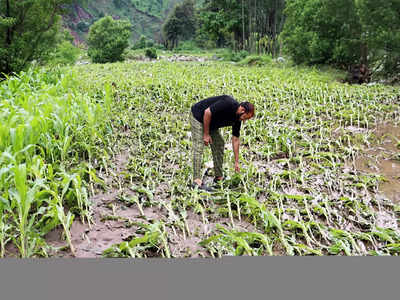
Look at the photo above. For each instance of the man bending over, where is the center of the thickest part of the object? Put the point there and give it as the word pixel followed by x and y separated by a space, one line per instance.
pixel 206 117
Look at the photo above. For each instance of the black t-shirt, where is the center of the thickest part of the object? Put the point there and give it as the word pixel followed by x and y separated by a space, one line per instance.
pixel 223 112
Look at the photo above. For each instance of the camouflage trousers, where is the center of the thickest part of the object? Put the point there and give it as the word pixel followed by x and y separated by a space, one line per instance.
pixel 217 148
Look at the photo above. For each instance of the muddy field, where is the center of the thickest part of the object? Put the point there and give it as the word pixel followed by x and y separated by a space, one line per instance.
pixel 329 202
pixel 112 176
pixel 382 157
pixel 115 220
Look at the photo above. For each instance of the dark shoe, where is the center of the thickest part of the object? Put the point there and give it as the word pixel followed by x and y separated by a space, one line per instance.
pixel 203 187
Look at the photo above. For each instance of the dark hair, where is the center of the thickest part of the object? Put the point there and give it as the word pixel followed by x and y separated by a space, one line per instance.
pixel 248 107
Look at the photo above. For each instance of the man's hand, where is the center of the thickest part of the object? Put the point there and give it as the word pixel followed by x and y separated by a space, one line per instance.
pixel 237 168
pixel 207 139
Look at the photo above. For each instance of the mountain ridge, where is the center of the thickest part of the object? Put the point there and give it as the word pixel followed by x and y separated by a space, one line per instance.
pixel 146 16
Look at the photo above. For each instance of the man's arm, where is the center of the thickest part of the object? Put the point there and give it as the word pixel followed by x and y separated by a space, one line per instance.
pixel 235 146
pixel 206 124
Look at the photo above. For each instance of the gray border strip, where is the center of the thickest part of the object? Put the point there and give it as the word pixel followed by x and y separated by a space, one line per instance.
pixel 228 278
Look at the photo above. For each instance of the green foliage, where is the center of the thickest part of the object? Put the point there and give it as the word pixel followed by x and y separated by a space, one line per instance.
pixel 65 54
pixel 146 16
pixel 28 30
pixel 84 3
pixel 219 19
pixel 152 243
pixel 151 53
pixel 319 31
pixel 108 39
pixel 289 196
pixel 180 25
pixel 256 60
pixel 298 191
pixel 142 43
pixel 232 242
pixel 241 24
pixel 152 7
pixel 65 35
pixel 381 34
pixel 228 54
pixel 189 45
pixel 48 130
pixel 344 33
pixel 118 3
pixel 83 26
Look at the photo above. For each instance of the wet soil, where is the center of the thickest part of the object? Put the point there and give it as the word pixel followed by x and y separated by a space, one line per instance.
pixel 114 217
pixel 114 221
pixel 382 157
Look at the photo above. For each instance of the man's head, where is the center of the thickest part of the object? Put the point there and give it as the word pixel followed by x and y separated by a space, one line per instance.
pixel 245 111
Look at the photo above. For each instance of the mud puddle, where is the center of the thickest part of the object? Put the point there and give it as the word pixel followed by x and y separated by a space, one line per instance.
pixel 383 158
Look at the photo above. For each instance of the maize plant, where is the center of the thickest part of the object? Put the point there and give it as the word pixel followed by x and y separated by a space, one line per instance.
pixel 110 144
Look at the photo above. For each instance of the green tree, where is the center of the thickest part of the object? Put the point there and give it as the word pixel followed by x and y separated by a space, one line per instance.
pixel 322 31
pixel 108 39
pixel 219 19
pixel 253 25
pixel 117 3
pixel 344 32
pixel 142 43
pixel 65 52
pixel 180 24
pixel 380 35
pixel 28 31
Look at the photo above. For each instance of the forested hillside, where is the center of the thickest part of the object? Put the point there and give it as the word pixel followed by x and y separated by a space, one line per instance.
pixel 146 16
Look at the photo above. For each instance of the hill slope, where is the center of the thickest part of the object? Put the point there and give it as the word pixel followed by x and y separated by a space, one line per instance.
pixel 146 16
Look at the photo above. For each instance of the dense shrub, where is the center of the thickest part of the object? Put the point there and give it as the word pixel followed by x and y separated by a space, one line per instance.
pixel 28 32
pixel 151 53
pixel 344 33
pixel 65 54
pixel 256 60
pixel 108 39
pixel 142 43
pixel 188 46
pixel 83 26
pixel 229 55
